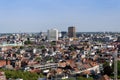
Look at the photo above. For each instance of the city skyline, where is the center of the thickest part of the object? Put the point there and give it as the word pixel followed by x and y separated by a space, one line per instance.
pixel 41 15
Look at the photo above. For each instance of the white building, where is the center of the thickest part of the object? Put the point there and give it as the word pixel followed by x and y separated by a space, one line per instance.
pixel 52 35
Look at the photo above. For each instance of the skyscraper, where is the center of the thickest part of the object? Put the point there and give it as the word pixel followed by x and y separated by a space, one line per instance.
pixel 71 32
pixel 52 35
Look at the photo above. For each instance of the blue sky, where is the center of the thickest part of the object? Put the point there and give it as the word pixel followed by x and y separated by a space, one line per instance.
pixel 41 15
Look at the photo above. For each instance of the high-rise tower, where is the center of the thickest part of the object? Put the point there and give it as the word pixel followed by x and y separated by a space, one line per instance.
pixel 71 32
pixel 52 35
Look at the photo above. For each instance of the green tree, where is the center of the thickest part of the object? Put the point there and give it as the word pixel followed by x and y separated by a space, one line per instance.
pixel 20 74
pixel 118 68
pixel 41 47
pixel 27 42
pixel 22 47
pixel 107 69
pixel 37 58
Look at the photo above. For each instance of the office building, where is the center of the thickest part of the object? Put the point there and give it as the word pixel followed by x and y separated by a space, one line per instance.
pixel 71 32
pixel 52 35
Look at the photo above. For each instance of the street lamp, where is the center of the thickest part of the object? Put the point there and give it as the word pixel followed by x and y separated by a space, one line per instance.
pixel 115 66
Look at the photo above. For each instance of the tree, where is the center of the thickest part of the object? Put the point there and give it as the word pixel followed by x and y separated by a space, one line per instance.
pixel 107 69
pixel 22 47
pixel 37 59
pixel 53 43
pixel 71 48
pixel 41 47
pixel 118 68
pixel 27 42
pixel 20 74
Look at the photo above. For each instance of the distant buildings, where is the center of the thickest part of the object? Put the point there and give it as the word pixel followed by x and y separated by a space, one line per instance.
pixel 52 35
pixel 118 39
pixel 12 44
pixel 64 34
pixel 71 32
pixel 84 55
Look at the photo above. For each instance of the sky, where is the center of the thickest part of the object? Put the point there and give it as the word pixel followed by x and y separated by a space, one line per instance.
pixel 41 15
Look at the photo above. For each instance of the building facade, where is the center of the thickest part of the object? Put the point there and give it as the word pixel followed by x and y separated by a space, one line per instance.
pixel 52 35
pixel 71 32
